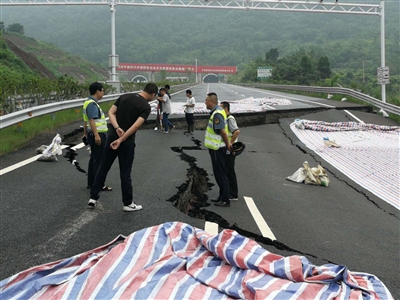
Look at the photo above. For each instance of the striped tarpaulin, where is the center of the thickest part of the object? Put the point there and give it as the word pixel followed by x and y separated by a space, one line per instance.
pixel 369 154
pixel 177 261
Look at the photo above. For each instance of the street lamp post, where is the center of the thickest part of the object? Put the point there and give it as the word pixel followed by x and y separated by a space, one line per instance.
pixel 383 55
pixel 196 70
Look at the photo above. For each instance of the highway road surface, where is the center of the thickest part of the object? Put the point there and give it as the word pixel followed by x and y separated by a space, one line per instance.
pixel 44 215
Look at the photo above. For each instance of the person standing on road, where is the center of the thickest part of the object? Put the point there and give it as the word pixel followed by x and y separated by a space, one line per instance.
pixel 189 111
pixel 127 114
pixel 166 107
pixel 167 88
pixel 159 121
pixel 217 141
pixel 94 130
pixel 233 133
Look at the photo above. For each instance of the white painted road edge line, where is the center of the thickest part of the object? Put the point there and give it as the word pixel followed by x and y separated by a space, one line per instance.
pixel 211 228
pixel 357 119
pixel 32 159
pixel 262 225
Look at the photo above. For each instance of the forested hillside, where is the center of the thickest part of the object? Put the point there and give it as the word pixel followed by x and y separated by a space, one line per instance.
pixel 225 37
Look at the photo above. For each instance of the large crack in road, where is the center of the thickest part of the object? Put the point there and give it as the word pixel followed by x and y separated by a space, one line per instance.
pixel 191 199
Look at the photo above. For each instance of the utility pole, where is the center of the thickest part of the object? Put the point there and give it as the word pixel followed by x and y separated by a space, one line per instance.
pixel 363 72
pixel 196 70
pixel 383 57
pixel 113 61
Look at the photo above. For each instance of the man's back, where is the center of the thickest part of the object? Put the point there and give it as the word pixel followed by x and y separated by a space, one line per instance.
pixel 129 108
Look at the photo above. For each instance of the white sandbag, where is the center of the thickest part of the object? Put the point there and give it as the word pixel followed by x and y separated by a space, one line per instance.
pixel 298 176
pixel 299 124
pixel 49 154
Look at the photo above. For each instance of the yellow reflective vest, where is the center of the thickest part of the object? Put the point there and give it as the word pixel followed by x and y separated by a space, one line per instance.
pixel 212 140
pixel 101 124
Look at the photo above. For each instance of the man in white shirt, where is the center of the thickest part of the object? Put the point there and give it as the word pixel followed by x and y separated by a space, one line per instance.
pixel 189 111
pixel 166 107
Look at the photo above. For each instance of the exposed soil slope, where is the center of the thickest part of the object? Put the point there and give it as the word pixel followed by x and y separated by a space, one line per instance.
pixel 30 60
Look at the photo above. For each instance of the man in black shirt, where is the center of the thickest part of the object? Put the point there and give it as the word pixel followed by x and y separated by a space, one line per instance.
pixel 127 114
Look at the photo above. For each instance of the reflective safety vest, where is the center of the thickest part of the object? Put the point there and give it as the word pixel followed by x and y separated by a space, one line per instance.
pixel 229 132
pixel 212 140
pixel 101 123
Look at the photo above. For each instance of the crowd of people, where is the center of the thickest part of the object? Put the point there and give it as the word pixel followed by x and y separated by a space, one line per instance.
pixel 128 114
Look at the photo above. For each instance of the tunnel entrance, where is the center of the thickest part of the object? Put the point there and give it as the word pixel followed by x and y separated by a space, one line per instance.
pixel 211 78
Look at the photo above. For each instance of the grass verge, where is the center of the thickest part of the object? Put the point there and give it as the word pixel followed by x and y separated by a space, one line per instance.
pixel 16 136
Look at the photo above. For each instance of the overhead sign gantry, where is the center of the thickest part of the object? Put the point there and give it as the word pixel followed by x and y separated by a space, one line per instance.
pixel 320 6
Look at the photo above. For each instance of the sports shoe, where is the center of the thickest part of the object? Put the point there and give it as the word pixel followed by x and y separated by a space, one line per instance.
pixel 132 207
pixel 166 131
pixel 172 128
pixel 233 199
pixel 222 204
pixel 92 203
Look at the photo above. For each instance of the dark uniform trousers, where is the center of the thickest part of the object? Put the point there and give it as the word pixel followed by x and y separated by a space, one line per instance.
pixel 230 172
pixel 96 152
pixel 126 154
pixel 218 158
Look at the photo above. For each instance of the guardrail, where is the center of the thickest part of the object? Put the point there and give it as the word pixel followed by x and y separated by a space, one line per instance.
pixel 40 110
pixel 387 107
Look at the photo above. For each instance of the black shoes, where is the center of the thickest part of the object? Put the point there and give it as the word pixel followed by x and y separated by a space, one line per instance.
pixel 215 200
pixel 222 204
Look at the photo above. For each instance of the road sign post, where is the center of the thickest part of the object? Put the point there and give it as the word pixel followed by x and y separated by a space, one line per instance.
pixel 264 72
pixel 383 75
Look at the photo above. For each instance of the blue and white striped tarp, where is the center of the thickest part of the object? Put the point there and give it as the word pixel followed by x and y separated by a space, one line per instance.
pixel 369 154
pixel 178 261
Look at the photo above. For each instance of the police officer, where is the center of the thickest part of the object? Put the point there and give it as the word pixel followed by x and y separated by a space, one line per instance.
pixel 95 130
pixel 217 141
pixel 233 133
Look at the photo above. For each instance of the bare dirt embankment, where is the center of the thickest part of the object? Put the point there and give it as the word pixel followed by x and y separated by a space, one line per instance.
pixel 29 59
pixel 36 54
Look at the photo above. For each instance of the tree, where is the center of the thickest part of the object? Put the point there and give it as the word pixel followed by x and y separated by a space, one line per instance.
pixel 271 57
pixel 324 67
pixel 1 26
pixel 163 74
pixel 16 27
pixel 306 70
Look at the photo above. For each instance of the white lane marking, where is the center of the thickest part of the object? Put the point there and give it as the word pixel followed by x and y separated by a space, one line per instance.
pixel 261 223
pixel 347 112
pixel 243 95
pixel 32 159
pixel 211 228
pixel 301 100
pixel 269 106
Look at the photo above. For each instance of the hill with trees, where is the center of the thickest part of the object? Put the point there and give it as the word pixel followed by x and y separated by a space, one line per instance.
pixel 225 37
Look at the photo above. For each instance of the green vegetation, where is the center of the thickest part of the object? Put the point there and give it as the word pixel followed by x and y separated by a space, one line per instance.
pixel 16 136
pixel 313 67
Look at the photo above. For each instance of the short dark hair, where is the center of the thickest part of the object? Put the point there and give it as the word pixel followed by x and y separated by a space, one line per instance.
pixel 225 104
pixel 151 88
pixel 213 97
pixel 188 92
pixel 163 89
pixel 167 86
pixel 94 87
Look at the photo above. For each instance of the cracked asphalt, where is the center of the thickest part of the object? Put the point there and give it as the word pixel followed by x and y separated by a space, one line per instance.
pixel 44 216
